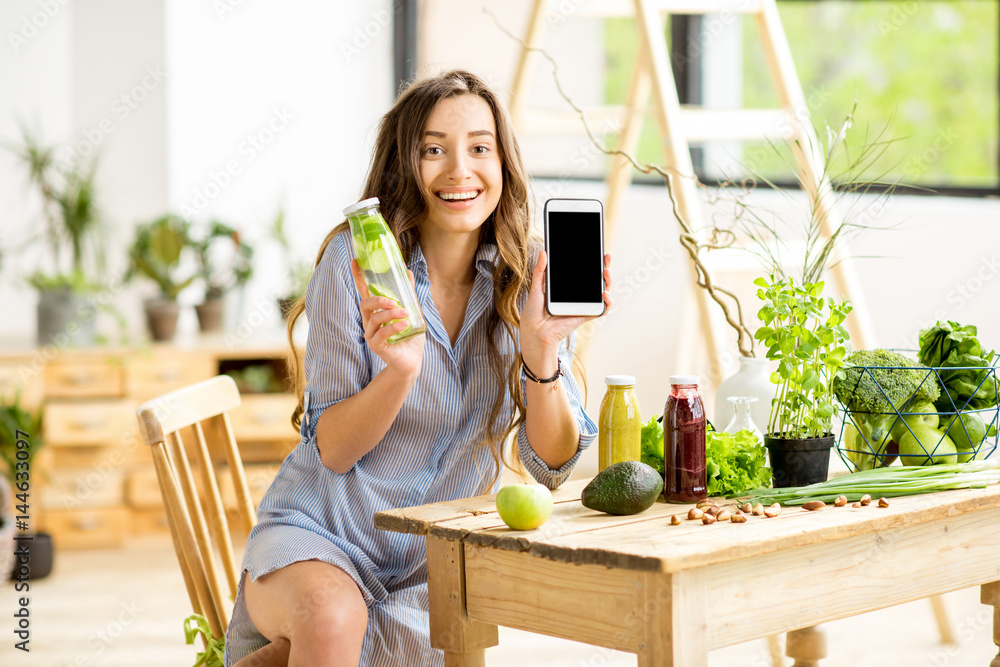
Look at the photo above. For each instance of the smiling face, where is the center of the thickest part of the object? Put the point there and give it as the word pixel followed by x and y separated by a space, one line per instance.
pixel 460 169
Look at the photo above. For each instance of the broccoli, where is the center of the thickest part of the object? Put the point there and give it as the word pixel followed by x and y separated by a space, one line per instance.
pixel 880 381
pixel 874 386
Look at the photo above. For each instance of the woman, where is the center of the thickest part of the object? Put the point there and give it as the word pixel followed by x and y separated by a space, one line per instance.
pixel 420 421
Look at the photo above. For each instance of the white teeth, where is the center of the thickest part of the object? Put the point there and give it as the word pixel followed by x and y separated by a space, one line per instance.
pixel 450 196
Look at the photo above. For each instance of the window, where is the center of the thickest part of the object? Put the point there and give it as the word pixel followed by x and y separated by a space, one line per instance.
pixel 925 75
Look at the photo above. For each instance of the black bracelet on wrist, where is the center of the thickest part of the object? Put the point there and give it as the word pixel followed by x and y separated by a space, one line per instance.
pixel 534 378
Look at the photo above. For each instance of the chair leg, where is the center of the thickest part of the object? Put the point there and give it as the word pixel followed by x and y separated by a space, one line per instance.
pixel 943 622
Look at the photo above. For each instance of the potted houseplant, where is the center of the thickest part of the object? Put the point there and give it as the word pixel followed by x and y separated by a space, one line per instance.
pixel 224 262
pixel 75 236
pixel 299 271
pixel 20 440
pixel 158 253
pixel 803 332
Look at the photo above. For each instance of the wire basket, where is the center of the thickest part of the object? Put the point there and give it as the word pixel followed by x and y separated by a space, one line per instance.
pixel 961 433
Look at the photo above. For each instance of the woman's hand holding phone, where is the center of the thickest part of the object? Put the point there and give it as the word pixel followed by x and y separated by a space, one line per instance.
pixel 540 332
pixel 381 317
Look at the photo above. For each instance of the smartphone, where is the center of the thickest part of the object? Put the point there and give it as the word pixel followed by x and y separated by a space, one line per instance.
pixel 574 242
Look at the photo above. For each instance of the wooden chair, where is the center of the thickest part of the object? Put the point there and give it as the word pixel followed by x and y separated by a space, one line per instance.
pixel 198 525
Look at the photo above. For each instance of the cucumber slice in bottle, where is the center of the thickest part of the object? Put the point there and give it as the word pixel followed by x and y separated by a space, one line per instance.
pixel 378 261
pixel 381 291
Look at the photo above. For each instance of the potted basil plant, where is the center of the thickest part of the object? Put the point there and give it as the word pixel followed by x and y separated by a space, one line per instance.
pixel 803 331
pixel 224 263
pixel 158 253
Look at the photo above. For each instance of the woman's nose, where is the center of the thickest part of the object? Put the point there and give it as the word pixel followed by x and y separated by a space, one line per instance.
pixel 459 168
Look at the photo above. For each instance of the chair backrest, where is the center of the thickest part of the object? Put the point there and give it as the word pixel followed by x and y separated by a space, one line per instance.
pixel 198 538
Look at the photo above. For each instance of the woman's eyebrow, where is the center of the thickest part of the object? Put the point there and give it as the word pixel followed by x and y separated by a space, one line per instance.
pixel 473 133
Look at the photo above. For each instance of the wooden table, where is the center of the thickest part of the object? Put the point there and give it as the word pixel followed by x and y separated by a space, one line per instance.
pixel 671 594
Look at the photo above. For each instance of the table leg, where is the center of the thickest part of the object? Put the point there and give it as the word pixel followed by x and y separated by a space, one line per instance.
pixel 673 611
pixel 991 595
pixel 463 641
pixel 807 646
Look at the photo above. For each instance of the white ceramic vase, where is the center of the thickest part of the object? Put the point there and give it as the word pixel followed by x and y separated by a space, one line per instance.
pixel 752 379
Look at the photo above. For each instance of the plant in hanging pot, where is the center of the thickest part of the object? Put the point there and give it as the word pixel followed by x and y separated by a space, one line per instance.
pixel 803 331
pixel 158 252
pixel 75 236
pixel 224 263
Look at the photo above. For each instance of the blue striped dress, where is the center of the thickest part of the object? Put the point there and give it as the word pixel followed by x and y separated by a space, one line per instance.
pixel 427 456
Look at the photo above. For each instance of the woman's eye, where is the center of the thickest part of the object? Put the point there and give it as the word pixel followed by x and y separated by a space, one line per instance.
pixel 432 150
pixel 480 149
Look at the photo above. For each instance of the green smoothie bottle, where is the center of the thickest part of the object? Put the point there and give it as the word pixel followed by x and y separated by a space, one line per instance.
pixel 382 264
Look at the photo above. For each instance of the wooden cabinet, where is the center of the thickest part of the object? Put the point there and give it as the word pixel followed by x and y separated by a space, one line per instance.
pixel 93 484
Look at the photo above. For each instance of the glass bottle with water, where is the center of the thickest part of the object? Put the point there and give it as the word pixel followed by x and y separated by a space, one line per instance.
pixel 382 264
pixel 743 419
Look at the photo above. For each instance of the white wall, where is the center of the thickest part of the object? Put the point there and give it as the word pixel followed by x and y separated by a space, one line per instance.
pixel 307 79
pixel 35 88
pixel 271 104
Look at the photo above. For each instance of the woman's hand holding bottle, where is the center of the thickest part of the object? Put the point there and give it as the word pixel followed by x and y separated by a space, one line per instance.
pixel 382 317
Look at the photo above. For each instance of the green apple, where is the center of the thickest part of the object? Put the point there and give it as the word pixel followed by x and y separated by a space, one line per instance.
pixel 524 506
pixel 915 446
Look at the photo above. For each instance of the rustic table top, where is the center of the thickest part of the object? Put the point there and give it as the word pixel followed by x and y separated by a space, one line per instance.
pixel 648 542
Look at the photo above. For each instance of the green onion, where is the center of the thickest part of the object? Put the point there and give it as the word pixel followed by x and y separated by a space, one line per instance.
pixel 887 483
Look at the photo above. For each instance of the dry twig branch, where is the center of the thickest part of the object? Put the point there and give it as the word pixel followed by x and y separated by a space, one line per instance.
pixel 688 238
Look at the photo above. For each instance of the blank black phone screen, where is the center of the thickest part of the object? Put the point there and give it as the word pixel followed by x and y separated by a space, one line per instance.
pixel 576 265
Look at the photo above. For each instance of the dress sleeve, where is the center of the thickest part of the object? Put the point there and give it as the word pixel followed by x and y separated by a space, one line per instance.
pixel 588 429
pixel 336 364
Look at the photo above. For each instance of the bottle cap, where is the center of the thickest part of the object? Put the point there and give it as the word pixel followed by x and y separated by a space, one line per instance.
pixel 619 380
pixel 364 203
pixel 684 379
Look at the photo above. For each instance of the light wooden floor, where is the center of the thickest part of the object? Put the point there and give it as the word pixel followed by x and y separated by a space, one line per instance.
pixel 126 607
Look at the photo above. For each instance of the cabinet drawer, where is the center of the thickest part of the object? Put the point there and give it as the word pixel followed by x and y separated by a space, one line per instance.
pixel 148 522
pixel 142 490
pixel 24 375
pixel 264 418
pixel 149 376
pixel 87 528
pixel 99 377
pixel 90 423
pixel 98 486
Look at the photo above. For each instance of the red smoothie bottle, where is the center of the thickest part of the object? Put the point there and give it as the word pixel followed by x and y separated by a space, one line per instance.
pixel 684 442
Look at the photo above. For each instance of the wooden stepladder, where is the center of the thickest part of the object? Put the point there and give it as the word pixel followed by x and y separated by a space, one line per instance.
pixel 680 125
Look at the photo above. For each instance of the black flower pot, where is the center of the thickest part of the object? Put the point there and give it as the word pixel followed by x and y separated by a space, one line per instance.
pixel 799 462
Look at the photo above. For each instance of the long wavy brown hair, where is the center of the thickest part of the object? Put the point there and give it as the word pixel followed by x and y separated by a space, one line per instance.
pixel 393 177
